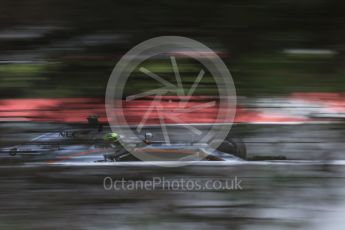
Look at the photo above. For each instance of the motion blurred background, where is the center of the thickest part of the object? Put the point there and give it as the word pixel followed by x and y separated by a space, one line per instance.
pixel 287 60
pixel 54 49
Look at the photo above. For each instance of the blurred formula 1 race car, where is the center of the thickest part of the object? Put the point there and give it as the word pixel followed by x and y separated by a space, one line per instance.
pixel 94 135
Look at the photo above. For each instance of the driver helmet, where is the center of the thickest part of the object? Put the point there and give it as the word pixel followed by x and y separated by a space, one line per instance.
pixel 111 137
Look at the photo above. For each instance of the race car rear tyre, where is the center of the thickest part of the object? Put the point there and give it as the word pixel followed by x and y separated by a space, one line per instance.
pixel 13 152
pixel 232 146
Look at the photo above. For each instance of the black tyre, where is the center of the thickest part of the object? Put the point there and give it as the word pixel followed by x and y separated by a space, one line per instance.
pixel 232 146
pixel 13 151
